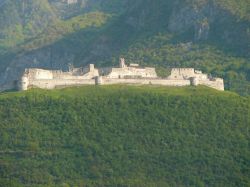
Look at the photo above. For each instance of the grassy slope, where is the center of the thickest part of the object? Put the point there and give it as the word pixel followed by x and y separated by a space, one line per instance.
pixel 122 135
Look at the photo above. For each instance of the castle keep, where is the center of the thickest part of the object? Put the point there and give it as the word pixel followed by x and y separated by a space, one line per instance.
pixel 124 74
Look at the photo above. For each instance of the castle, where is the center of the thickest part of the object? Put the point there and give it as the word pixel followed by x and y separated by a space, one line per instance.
pixel 131 74
pixel 70 1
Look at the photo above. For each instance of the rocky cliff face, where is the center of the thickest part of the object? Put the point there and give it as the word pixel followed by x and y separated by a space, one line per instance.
pixel 207 20
pixel 21 20
pixel 196 19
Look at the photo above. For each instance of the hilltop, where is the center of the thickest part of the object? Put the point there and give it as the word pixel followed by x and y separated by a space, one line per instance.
pixel 135 136
pixel 124 136
pixel 209 35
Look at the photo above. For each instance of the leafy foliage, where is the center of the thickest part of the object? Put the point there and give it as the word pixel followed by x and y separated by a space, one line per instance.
pixel 161 51
pixel 22 20
pixel 239 8
pixel 66 27
pixel 124 136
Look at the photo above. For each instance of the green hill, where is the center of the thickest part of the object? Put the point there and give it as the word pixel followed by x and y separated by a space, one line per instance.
pixel 124 136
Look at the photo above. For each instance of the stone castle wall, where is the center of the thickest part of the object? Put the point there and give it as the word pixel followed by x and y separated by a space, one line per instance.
pixel 49 79
pixel 146 81
pixel 134 75
pixel 70 1
pixel 196 78
pixel 127 72
pixel 182 73
pixel 57 83
pixel 186 73
pixel 216 83
pixel 131 71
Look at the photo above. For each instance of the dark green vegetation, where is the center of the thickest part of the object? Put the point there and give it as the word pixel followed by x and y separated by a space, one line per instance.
pixel 124 136
pixel 121 135
pixel 21 20
pixel 211 35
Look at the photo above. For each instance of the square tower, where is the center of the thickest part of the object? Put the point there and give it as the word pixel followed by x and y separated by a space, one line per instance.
pixel 122 63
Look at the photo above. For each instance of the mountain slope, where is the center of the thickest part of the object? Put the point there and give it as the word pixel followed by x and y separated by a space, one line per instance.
pixel 21 20
pixel 124 136
pixel 210 35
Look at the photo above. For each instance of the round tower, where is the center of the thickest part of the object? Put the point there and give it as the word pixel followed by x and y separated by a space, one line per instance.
pixel 194 81
pixel 98 80
pixel 24 83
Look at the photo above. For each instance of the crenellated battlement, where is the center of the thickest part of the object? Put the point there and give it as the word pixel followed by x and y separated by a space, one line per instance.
pixel 124 74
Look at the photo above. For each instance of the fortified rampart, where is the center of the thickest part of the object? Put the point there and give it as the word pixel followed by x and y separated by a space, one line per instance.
pixel 145 81
pixel 132 74
pixel 70 1
pixel 131 71
pixel 50 79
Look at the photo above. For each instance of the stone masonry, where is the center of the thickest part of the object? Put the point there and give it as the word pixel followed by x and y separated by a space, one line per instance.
pixel 131 74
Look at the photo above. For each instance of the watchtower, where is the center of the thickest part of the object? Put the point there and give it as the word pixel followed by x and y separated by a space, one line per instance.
pixel 122 63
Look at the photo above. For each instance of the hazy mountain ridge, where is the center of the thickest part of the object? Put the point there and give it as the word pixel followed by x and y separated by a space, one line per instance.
pixel 218 27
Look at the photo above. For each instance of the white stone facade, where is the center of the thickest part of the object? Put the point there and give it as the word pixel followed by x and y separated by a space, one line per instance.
pixel 70 1
pixel 132 74
pixel 50 79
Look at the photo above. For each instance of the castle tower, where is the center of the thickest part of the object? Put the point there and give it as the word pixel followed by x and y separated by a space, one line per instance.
pixel 24 82
pixel 71 67
pixel 194 81
pixel 98 80
pixel 122 63
pixel 91 67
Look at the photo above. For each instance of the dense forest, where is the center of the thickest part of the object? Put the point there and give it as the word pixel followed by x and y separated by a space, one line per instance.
pixel 124 136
